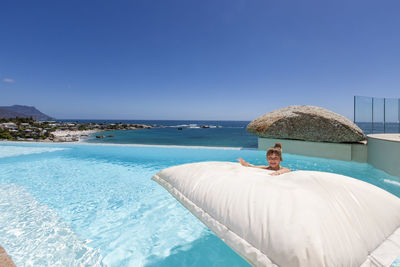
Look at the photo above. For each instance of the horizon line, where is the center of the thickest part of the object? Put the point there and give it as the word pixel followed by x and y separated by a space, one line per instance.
pixel 149 119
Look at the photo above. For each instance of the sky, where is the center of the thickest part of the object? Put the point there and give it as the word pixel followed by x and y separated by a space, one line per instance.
pixel 196 60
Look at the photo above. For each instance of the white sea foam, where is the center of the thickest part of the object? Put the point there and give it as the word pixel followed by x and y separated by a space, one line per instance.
pixel 34 235
pixel 391 182
pixel 193 126
pixel 11 151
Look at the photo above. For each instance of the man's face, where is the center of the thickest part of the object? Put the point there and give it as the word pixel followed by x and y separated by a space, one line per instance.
pixel 273 161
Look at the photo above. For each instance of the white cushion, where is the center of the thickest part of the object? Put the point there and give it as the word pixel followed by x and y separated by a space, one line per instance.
pixel 301 218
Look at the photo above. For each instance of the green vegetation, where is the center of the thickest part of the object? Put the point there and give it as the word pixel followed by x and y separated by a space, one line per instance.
pixel 5 134
pixel 82 127
pixel 18 120
pixel 24 128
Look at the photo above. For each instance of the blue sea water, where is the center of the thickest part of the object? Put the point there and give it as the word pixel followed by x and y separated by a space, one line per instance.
pixel 379 127
pixel 220 133
pixel 93 205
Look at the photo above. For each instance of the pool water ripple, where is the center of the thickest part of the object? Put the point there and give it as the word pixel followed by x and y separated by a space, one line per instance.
pixel 105 194
pixel 35 236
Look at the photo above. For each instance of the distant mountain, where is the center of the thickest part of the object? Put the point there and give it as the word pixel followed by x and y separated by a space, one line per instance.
pixel 22 112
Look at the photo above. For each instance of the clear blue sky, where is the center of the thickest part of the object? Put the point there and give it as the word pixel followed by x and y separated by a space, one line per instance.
pixel 208 59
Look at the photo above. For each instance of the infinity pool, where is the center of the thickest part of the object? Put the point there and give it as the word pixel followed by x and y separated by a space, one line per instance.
pixel 95 205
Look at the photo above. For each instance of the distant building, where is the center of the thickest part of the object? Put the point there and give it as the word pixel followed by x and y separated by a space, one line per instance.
pixel 9 125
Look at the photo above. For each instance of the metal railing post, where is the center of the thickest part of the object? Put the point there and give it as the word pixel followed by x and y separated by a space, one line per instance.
pixel 354 108
pixel 372 116
pixel 384 115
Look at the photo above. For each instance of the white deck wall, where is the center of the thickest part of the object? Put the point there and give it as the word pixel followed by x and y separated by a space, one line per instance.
pixel 349 152
pixel 384 152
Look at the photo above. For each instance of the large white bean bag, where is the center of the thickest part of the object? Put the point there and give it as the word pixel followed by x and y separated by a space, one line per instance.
pixel 301 218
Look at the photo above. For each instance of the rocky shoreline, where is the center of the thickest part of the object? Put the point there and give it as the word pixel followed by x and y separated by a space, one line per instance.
pixel 78 135
pixel 71 136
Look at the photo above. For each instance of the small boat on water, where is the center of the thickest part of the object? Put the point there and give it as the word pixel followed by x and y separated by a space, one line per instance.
pixel 100 136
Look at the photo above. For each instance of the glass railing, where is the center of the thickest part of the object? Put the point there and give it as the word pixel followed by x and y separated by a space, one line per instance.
pixel 377 115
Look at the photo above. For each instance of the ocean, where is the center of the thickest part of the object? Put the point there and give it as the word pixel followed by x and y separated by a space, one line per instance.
pixel 178 133
pixel 197 133
pixel 379 127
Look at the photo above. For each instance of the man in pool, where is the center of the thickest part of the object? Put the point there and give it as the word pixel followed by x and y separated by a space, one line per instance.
pixel 274 158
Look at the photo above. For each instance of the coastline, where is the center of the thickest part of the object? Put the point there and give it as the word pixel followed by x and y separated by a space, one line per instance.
pixel 101 135
pixel 71 136
pixel 24 129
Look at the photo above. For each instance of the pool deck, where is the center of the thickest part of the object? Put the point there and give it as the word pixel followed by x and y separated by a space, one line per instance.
pixel 388 137
pixel 5 260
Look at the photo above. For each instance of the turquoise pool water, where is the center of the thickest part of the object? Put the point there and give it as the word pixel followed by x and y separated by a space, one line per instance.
pixel 88 205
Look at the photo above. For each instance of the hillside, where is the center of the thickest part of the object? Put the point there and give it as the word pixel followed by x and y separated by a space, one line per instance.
pixel 22 112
